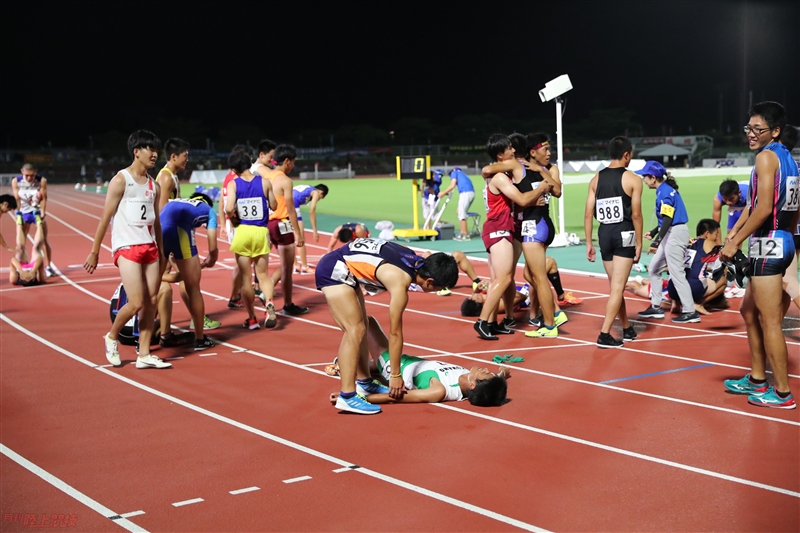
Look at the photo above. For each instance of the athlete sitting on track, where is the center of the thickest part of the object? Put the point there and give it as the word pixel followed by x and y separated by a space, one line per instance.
pixel 32 273
pixel 428 381
pixel 705 273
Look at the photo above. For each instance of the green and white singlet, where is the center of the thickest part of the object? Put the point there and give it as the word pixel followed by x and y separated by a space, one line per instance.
pixel 417 374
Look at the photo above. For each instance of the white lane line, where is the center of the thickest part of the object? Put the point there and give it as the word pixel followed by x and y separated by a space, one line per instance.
pixel 208 354
pixel 188 502
pixel 397 482
pixel 340 470
pixel 51 285
pixel 242 491
pixel 575 341
pixel 280 440
pixel 578 341
pixel 70 490
pixel 132 513
pixel 629 453
pixel 296 479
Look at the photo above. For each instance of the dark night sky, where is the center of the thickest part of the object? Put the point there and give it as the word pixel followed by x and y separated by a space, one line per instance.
pixel 73 69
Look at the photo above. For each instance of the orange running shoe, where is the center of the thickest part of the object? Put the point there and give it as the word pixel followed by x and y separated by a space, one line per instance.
pixel 569 299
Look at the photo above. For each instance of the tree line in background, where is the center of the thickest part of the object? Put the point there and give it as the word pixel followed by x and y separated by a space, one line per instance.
pixel 465 130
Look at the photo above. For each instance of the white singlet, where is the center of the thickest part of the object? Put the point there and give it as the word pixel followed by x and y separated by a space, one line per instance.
pixel 133 222
pixel 28 203
pixel 417 374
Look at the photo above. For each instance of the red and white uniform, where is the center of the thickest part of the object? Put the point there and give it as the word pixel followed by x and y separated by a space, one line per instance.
pixel 133 222
pixel 499 223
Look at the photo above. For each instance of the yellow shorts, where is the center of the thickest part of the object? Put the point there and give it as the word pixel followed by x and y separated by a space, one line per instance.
pixel 250 241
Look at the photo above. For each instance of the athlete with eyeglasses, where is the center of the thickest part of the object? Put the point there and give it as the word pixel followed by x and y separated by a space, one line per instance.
pixel 773 217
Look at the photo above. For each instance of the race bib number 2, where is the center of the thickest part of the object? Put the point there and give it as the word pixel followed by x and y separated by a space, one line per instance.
pixel 609 210
pixel 766 248
pixel 250 208
pixel 140 212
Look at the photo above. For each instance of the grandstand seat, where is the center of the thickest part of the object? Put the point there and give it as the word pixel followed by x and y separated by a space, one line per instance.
pixel 475 230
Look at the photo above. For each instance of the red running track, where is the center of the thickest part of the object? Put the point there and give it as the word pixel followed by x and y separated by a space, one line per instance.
pixel 658 447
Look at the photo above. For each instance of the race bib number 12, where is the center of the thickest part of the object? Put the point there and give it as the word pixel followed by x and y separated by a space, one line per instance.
pixel 766 248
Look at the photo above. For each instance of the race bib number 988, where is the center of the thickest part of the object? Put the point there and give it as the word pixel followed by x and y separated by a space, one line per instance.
pixel 609 210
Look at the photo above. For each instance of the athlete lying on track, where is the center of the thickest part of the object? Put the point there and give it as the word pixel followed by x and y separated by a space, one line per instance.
pixel 428 381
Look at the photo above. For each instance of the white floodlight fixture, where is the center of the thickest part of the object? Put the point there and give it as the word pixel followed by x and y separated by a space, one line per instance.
pixel 553 89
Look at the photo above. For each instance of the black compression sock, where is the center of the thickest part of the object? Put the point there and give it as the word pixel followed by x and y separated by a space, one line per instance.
pixel 757 381
pixel 783 395
pixel 555 280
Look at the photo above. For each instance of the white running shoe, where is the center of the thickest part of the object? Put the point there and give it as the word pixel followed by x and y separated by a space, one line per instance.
pixel 112 351
pixel 151 361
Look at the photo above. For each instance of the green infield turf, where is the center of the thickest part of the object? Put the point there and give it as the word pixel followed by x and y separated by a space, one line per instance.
pixel 369 200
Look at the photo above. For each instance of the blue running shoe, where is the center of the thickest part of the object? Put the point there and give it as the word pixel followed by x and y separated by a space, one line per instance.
pixel 745 386
pixel 372 386
pixel 357 404
pixel 771 399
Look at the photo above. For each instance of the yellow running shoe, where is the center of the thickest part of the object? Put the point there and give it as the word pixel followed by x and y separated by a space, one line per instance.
pixel 543 331
pixel 560 318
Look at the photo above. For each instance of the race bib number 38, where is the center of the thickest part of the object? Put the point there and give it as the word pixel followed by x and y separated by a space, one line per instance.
pixel 792 194
pixel 250 208
pixel 766 248
pixel 609 210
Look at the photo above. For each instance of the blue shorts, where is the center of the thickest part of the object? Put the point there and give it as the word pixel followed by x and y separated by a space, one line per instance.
pixel 698 290
pixel 541 230
pixel 772 254
pixel 331 270
pixel 179 241
pixel 26 218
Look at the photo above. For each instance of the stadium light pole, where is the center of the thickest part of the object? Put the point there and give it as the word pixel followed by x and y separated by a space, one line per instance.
pixel 553 89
